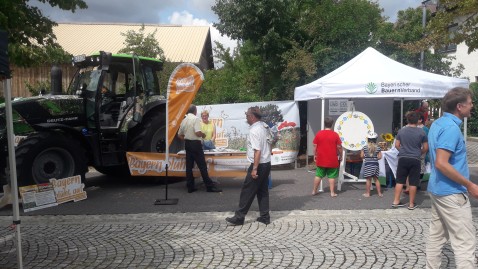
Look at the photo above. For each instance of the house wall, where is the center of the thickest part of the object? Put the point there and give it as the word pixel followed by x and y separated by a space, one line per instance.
pixel 469 61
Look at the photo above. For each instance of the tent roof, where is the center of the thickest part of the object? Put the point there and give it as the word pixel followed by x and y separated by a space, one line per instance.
pixel 373 75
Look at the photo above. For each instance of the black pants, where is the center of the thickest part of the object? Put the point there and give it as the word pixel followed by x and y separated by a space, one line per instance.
pixel 194 153
pixel 255 187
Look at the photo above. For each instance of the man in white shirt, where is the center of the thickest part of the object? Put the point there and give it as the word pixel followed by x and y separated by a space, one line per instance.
pixel 256 181
pixel 190 132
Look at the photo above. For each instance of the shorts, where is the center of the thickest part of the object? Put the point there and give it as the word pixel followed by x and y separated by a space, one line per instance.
pixel 408 167
pixel 329 172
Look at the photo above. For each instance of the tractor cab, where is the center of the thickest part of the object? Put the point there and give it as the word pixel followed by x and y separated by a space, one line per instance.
pixel 115 88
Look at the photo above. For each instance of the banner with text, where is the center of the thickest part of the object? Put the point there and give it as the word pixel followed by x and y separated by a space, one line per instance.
pixel 183 85
pixel 154 164
pixel 232 128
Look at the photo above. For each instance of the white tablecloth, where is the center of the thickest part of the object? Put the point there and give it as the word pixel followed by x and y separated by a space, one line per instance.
pixel 392 158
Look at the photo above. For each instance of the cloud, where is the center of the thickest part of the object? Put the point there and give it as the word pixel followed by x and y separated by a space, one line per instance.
pixel 391 7
pixel 186 18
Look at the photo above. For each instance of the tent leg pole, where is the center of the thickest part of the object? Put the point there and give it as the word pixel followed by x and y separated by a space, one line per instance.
pixel 12 169
pixel 321 189
pixel 401 113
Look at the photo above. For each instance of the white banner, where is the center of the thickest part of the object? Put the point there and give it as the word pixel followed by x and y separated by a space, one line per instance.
pixel 232 127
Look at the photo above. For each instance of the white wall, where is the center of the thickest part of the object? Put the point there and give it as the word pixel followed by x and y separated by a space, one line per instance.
pixel 380 111
pixel 469 61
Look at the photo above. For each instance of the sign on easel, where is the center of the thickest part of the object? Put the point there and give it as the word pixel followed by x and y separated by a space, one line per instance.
pixel 68 189
pixel 36 197
pixel 58 191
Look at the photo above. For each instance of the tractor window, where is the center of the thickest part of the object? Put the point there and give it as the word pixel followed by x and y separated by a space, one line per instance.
pixel 152 82
pixel 121 84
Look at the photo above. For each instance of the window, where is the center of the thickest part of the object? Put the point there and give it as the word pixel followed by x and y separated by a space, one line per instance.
pixel 450 47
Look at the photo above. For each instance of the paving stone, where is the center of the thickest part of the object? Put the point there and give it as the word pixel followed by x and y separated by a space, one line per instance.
pixel 302 239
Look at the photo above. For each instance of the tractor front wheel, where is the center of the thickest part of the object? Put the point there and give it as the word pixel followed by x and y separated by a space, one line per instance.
pixel 45 155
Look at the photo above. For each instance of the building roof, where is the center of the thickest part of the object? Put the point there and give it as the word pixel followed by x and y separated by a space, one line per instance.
pixel 179 43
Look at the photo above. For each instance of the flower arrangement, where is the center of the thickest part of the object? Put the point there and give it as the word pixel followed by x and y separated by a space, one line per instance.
pixel 388 137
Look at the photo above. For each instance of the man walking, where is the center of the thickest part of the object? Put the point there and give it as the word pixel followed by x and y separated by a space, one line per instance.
pixel 411 143
pixel 327 155
pixel 450 185
pixel 256 181
pixel 190 131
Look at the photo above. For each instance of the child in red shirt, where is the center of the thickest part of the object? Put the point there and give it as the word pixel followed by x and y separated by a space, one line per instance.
pixel 327 155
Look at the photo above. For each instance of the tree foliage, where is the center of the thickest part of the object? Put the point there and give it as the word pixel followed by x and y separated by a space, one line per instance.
pixel 408 29
pixel 142 44
pixel 473 120
pixel 462 15
pixel 30 34
pixel 288 43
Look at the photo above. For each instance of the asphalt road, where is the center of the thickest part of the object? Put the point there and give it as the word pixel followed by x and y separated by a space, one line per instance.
pixel 291 191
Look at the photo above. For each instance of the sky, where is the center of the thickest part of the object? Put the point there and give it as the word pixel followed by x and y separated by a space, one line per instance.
pixel 182 12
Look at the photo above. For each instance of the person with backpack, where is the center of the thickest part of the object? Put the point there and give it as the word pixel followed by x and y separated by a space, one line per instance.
pixel 259 143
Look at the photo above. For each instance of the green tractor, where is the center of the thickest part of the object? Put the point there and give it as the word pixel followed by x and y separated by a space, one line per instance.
pixel 113 105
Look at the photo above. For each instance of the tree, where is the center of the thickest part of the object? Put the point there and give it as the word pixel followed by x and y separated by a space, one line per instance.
pixel 395 40
pixel 296 41
pixel 30 34
pixel 339 30
pixel 268 25
pixel 141 44
pixel 237 81
pixel 473 120
pixel 459 15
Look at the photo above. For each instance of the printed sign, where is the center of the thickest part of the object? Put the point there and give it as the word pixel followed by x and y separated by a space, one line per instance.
pixel 232 128
pixel 58 191
pixel 183 85
pixel 68 189
pixel 337 106
pixel 36 197
pixel 154 164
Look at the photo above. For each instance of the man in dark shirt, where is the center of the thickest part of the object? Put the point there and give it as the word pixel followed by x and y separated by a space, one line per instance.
pixel 411 142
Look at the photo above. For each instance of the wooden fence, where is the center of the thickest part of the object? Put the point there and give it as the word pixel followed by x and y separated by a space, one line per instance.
pixel 33 75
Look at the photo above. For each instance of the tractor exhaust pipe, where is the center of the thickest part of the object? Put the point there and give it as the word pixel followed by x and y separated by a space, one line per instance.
pixel 56 74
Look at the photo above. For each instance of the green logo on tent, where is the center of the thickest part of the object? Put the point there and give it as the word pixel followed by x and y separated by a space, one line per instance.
pixel 371 88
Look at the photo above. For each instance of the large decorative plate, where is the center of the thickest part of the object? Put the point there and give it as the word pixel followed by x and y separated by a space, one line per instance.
pixel 353 128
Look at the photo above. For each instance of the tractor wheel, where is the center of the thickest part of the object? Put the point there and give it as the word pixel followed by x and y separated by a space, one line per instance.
pixel 146 137
pixel 45 155
pixel 150 135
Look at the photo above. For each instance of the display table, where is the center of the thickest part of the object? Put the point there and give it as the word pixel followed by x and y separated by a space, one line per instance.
pixel 392 159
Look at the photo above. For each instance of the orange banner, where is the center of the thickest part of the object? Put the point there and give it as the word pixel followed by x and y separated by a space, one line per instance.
pixel 183 85
pixel 154 164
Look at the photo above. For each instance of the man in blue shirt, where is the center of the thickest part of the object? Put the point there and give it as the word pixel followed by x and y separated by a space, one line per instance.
pixel 449 184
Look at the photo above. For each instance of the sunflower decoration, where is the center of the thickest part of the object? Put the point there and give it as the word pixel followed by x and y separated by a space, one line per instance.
pixel 388 138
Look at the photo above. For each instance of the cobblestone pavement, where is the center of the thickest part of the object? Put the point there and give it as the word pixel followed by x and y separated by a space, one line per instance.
pixel 472 151
pixel 383 238
pixel 392 238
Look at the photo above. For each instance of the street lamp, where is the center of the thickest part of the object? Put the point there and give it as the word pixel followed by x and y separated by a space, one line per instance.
pixel 424 22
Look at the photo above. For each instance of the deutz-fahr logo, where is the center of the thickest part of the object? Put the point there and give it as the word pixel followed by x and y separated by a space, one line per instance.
pixel 371 88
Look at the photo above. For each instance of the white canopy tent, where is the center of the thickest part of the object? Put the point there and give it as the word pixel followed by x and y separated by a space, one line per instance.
pixel 372 75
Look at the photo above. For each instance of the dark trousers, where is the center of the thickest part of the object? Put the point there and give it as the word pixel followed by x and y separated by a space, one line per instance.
pixel 194 153
pixel 255 187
